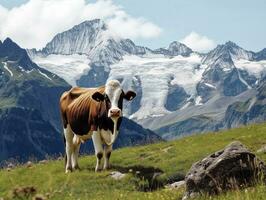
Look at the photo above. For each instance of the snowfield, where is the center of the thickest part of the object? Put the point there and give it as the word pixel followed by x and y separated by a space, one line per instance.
pixel 68 67
pixel 256 68
pixel 157 73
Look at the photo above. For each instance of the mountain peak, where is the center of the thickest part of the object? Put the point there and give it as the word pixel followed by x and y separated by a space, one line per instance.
pixel 229 49
pixel 12 52
pixel 174 49
pixel 8 41
pixel 177 48
pixel 79 39
pixel 232 44
pixel 261 55
pixel 96 23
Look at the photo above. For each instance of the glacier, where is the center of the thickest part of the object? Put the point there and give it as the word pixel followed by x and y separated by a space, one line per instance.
pixel 155 73
pixel 68 67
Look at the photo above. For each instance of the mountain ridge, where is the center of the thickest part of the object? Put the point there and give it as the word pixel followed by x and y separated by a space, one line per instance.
pixel 168 79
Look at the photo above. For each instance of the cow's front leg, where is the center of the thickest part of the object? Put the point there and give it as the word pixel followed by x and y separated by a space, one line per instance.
pixel 98 147
pixel 69 148
pixel 75 154
pixel 107 154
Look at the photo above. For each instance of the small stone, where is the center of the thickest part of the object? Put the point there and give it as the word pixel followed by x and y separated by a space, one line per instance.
pixel 8 169
pixel 29 164
pixel 10 165
pixel 130 170
pixel 48 195
pixel 60 158
pixel 117 175
pixel 262 149
pixel 43 161
pixel 175 185
pixel 39 197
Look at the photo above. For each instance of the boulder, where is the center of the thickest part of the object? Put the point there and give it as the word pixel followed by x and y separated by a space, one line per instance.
pixel 233 167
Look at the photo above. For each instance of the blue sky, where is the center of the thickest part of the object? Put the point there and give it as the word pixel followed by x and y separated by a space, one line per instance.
pixel 242 21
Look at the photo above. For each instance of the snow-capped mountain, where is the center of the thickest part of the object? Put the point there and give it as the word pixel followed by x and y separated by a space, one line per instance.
pixel 169 81
pixel 174 49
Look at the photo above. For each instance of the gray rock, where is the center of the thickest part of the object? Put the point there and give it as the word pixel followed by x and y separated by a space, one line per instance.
pixel 262 149
pixel 29 164
pixel 43 161
pixel 117 175
pixel 176 185
pixel 233 167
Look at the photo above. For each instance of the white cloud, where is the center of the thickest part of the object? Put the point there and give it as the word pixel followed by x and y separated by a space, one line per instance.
pixel 36 22
pixel 198 42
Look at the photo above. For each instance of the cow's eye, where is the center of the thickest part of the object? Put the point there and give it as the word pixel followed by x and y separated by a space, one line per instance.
pixel 106 98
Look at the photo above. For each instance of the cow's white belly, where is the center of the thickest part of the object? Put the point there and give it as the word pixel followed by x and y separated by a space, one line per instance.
pixel 106 136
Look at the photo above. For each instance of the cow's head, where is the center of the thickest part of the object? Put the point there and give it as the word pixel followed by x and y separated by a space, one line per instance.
pixel 113 97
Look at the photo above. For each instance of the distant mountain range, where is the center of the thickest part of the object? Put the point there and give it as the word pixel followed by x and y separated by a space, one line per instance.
pixel 179 91
pixel 30 124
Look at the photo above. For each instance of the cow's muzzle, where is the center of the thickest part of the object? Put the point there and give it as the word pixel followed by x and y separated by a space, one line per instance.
pixel 115 112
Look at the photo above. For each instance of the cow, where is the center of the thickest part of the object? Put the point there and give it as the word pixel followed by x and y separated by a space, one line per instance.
pixel 92 113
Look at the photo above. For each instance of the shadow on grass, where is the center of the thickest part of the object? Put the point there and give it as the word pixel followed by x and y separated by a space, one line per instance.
pixel 146 178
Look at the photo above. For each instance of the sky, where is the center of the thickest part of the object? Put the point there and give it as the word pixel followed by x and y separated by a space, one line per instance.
pixel 200 24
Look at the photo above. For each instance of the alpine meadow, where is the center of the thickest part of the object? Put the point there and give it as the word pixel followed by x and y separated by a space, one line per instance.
pixel 113 99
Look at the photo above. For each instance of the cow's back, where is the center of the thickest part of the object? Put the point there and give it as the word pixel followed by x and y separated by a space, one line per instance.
pixel 79 110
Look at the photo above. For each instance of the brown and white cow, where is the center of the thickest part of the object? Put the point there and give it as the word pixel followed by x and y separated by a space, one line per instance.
pixel 92 112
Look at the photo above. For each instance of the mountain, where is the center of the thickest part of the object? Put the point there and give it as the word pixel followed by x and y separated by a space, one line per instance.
pixel 178 89
pixel 30 124
pixel 222 75
pixel 29 114
pixel 252 110
pixel 174 49
pixel 261 55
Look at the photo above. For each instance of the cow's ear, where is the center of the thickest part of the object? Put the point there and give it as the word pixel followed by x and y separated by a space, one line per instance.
pixel 97 96
pixel 129 95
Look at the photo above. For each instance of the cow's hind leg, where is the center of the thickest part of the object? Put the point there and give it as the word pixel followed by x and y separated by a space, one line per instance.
pixel 75 153
pixel 98 147
pixel 69 148
pixel 107 153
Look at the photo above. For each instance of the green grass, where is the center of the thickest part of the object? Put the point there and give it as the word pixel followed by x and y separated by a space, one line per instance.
pixel 171 157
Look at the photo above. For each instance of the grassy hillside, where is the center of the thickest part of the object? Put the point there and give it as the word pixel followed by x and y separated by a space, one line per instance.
pixel 173 158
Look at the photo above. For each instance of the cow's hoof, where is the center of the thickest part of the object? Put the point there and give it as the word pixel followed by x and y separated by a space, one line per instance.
pixel 106 167
pixel 76 167
pixel 98 169
pixel 68 170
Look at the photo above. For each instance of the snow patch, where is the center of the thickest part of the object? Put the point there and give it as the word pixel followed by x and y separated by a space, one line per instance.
pixel 45 75
pixel 198 101
pixel 243 81
pixel 21 69
pixel 69 67
pixel 29 71
pixel 252 102
pixel 5 66
pixel 210 85
pixel 256 68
